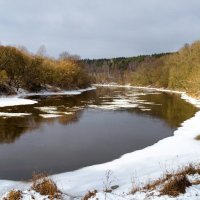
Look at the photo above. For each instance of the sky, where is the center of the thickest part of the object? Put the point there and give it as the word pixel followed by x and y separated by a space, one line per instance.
pixel 100 28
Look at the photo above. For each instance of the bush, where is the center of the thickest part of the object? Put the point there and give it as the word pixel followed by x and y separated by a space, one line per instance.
pixel 13 195
pixel 171 183
pixel 197 137
pixel 90 195
pixel 45 186
pixel 32 72
pixel 175 186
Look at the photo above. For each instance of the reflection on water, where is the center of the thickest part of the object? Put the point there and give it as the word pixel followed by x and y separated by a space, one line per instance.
pixel 91 128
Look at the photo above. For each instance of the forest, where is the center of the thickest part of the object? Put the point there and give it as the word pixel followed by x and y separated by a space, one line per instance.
pixel 21 69
pixel 116 69
pixel 178 70
pixel 34 72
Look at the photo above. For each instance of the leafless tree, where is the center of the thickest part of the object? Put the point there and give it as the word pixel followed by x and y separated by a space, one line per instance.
pixel 42 51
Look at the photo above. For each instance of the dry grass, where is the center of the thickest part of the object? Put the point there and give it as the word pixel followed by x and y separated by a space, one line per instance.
pixel 197 137
pixel 14 195
pixel 45 186
pixel 172 183
pixel 175 186
pixel 89 195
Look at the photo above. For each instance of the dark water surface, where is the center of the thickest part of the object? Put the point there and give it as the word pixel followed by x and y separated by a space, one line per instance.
pixel 94 127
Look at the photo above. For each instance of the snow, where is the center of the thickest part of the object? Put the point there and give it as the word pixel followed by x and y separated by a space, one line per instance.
pixel 29 195
pixel 15 101
pixel 191 100
pixel 192 193
pixel 116 104
pixel 52 112
pixel 19 99
pixel 169 153
pixel 140 166
pixel 4 114
pixel 127 101
pixel 139 87
pixel 64 92
pixel 50 115
pixel 48 109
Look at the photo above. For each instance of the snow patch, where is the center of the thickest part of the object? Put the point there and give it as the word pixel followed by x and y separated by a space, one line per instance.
pixel 19 99
pixel 48 109
pixel 139 87
pixel 64 92
pixel 15 101
pixel 52 112
pixel 4 114
pixel 50 115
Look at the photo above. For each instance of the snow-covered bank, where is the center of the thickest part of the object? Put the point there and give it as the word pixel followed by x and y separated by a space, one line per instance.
pixel 5 115
pixel 15 101
pixel 169 153
pixel 20 99
pixel 184 95
pixel 139 87
pixel 141 165
pixel 64 92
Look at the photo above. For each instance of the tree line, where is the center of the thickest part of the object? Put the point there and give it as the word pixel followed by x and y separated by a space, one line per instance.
pixel 116 69
pixel 179 70
pixel 21 69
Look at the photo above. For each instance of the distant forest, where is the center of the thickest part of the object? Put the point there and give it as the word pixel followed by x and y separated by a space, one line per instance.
pixel 179 70
pixel 117 69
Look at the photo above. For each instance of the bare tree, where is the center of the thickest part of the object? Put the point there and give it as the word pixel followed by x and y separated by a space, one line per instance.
pixel 42 51
pixel 66 55
pixel 23 49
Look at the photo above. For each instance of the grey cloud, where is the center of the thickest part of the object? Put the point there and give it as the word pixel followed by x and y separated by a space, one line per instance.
pixel 100 28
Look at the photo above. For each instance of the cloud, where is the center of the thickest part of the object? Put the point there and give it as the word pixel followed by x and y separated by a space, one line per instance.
pixel 100 28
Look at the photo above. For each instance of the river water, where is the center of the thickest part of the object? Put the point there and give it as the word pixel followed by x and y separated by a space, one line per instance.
pixel 65 133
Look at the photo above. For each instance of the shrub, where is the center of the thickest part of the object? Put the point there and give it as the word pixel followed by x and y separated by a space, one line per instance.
pixel 172 183
pixel 197 137
pixel 17 66
pixel 45 186
pixel 175 186
pixel 13 195
pixel 89 195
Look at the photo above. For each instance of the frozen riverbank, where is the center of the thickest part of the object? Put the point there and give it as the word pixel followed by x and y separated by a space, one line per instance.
pixel 20 99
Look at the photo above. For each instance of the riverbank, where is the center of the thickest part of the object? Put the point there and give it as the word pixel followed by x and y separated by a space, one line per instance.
pixel 21 97
pixel 184 95
pixel 169 153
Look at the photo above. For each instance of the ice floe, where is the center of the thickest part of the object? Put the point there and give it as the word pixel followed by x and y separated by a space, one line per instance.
pixel 15 101
pixel 64 92
pixel 50 115
pixel 5 114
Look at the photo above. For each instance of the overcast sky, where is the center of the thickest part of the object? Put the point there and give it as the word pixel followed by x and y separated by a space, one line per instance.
pixel 100 28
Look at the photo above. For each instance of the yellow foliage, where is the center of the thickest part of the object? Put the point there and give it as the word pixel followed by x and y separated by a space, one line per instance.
pixel 180 70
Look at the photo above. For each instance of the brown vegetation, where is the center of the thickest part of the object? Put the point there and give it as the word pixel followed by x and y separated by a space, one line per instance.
pixel 197 137
pixel 21 69
pixel 175 186
pixel 45 186
pixel 179 70
pixel 171 183
pixel 13 195
pixel 89 195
